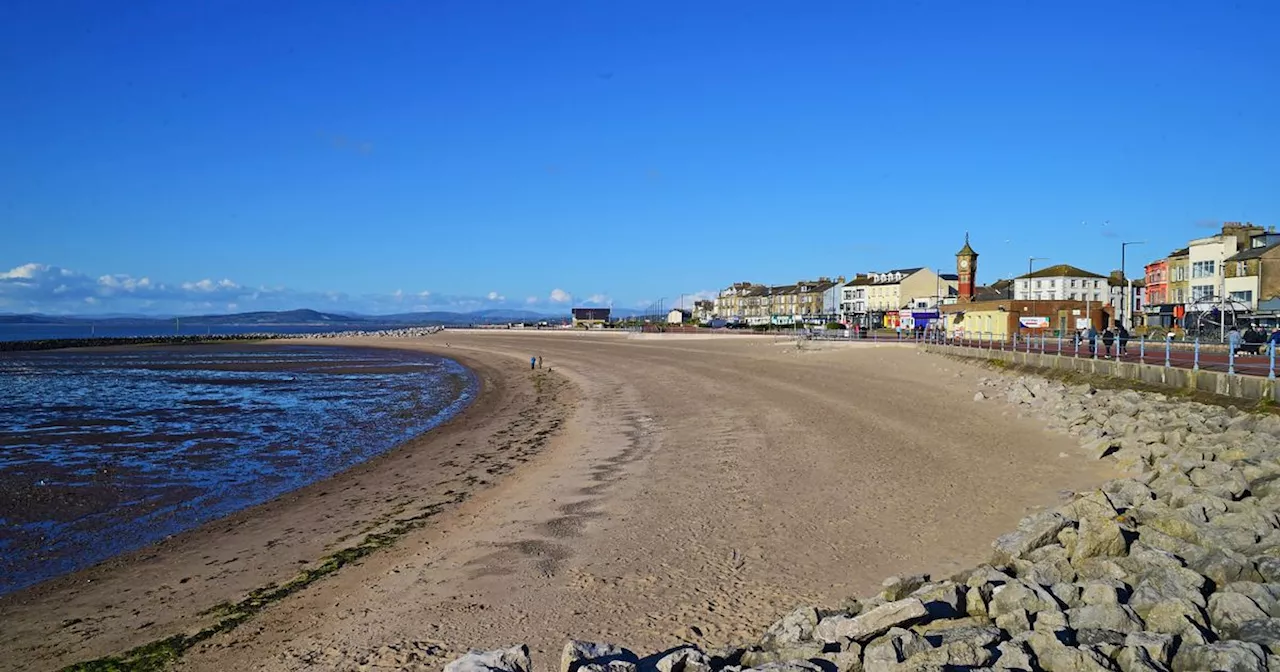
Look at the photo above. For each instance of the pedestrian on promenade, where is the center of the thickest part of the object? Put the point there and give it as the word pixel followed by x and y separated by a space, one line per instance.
pixel 1233 339
pixel 1123 335
pixel 1108 339
pixel 1093 340
pixel 1274 341
pixel 533 363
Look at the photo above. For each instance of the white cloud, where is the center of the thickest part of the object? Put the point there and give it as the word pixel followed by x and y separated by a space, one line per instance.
pixel 35 287
pixel 208 285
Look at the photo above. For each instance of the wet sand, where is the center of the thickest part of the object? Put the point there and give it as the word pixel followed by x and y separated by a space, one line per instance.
pixel 648 492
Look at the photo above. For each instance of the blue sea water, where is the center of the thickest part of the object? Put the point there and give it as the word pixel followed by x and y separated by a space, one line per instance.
pixel 38 332
pixel 103 452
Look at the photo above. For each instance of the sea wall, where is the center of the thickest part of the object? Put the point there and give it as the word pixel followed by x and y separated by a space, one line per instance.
pixel 1175 566
pixel 1250 388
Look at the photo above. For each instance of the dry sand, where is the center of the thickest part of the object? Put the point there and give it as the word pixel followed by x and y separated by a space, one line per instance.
pixel 645 492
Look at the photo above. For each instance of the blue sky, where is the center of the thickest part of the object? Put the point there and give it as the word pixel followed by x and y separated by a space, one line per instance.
pixel 384 156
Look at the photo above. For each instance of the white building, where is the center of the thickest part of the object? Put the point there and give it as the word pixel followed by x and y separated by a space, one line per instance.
pixel 1061 283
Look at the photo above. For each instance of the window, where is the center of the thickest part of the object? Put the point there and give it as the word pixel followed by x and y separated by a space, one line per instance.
pixel 1243 297
pixel 1203 269
pixel 1037 284
pixel 1242 268
pixel 1201 292
pixel 1073 296
pixel 1073 282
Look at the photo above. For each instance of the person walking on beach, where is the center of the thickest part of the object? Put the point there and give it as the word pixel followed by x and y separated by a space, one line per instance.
pixel 539 361
pixel 533 363
pixel 1123 336
pixel 1108 339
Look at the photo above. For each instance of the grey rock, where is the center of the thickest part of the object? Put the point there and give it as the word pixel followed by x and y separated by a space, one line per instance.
pixel 1094 569
pixel 1260 593
pixel 941 600
pixel 797 626
pixel 845 661
pixel 978 635
pixel 1179 617
pixel 896 588
pixel 871 623
pixel 895 646
pixel 1225 566
pixel 514 659
pixel 1132 659
pixel 1014 656
pixel 1231 656
pixel 1014 622
pixel 685 659
pixel 1099 537
pixel 755 658
pixel 1069 594
pixel 1072 659
pixel 1021 595
pixel 1263 632
pixel 1032 533
pixel 789 666
pixel 1167 583
pixel 1159 647
pixel 1096 636
pixel 1051 621
pixel 578 654
pixel 1268 567
pixel 1117 617
pixel 978 396
pixel 1103 591
pixel 1228 610
pixel 1093 504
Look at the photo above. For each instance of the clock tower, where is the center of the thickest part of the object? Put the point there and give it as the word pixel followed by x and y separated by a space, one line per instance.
pixel 967 269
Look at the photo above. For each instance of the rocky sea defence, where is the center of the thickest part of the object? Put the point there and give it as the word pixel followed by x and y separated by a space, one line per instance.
pixel 1174 566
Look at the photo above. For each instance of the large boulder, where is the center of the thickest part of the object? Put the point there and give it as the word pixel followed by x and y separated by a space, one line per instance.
pixel 595 657
pixel 514 659
pixel 797 626
pixel 1263 632
pixel 1032 533
pixel 1115 617
pixel 1022 595
pixel 1229 656
pixel 891 648
pixel 1099 537
pixel 684 659
pixel 1227 610
pixel 1167 583
pixel 872 623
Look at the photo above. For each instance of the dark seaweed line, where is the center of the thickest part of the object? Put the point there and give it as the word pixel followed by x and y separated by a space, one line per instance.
pixel 154 656
pixel 58 343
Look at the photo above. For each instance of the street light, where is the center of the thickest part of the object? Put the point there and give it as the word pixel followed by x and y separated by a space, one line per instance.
pixel 1035 301
pixel 1124 275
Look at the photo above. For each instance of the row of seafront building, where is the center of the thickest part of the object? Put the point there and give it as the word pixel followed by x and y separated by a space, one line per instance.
pixel 921 297
pixel 1220 278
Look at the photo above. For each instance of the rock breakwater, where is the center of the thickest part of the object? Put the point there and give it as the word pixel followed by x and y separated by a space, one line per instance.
pixel 1174 567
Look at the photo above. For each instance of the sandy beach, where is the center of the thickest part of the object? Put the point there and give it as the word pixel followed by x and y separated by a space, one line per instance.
pixel 642 491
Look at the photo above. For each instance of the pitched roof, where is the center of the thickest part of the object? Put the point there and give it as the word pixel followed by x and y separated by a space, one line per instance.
pixel 949 276
pixel 1253 252
pixel 1061 271
pixel 1181 253
pixel 966 250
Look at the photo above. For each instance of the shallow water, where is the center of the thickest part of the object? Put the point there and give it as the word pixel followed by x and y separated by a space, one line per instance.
pixel 103 452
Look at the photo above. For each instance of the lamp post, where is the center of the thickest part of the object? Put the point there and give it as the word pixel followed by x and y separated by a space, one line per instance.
pixel 1124 278
pixel 1035 302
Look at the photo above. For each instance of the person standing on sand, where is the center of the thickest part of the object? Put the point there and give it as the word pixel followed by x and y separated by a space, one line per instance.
pixel 533 363
pixel 539 361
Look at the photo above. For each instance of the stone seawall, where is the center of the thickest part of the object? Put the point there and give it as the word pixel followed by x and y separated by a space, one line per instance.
pixel 1251 388
pixel 1175 566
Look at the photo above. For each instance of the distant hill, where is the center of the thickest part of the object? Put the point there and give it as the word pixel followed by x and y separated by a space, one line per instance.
pixel 307 317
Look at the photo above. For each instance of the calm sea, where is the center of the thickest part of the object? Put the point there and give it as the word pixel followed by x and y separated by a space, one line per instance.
pixel 105 452
pixel 37 332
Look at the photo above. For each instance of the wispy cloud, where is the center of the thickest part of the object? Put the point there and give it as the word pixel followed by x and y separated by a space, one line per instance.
pixel 51 289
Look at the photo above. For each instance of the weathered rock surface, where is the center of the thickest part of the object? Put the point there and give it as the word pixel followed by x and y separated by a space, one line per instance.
pixel 514 659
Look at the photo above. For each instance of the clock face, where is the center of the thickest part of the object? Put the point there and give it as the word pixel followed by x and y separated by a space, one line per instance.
pixel 964 263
